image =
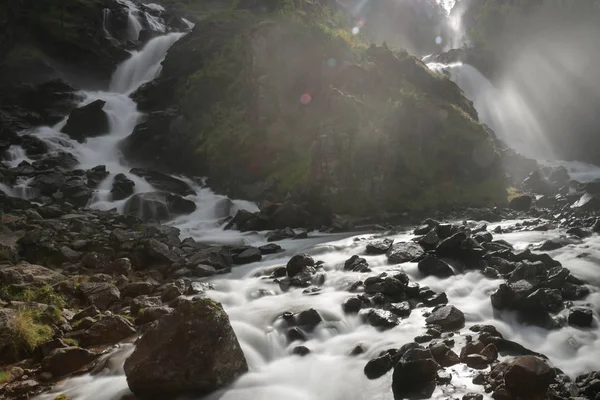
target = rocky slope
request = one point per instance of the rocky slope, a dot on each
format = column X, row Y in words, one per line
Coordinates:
column 290, row 101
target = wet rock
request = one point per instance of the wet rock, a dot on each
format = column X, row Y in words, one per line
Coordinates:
column 270, row 248
column 356, row 264
column 451, row 246
column 379, row 366
column 476, row 361
column 434, row 266
column 352, row 305
column 122, row 187
column 528, row 377
column 248, row 256
column 192, row 351
column 295, row 333
column 508, row 296
column 403, row 252
column 164, row 182
column 582, row 317
column 308, row 319
column 151, row 314
column 143, row 302
column 443, row 377
column 382, row 319
column 198, row 288
column 521, row 202
column 109, row 329
column 579, row 232
column 447, row 317
column 87, row 121
column 444, row 355
column 472, row 396
column 101, row 295
column 299, row 263
column 217, row 257
column 401, row 309
column 414, row 375
column 429, row 241
column 67, row 360
column 587, row 202
column 158, row 206
column 301, row 351
column 171, row 291
column 379, row 246
column 280, row 234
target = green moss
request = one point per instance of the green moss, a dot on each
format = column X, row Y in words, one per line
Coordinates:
column 62, row 397
column 5, row 376
column 44, row 294
column 26, row 334
column 71, row 342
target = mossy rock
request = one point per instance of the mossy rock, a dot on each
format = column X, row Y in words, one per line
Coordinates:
column 289, row 96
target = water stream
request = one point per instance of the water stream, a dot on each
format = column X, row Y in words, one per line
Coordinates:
column 253, row 304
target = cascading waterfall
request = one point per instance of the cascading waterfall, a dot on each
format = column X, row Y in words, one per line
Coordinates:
column 105, row 19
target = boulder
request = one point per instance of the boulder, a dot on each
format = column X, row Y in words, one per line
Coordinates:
column 447, row 317
column 587, row 202
column 67, row 360
column 270, row 248
column 151, row 314
column 87, row 121
column 122, row 187
column 96, row 175
column 414, row 375
column 159, row 206
column 248, row 256
column 436, row 267
column 521, row 202
column 299, row 263
column 29, row 273
column 581, row 317
column 379, row 366
column 529, row 377
column 356, row 264
column 100, row 294
column 163, row 182
column 192, row 351
column 403, row 252
column 379, row 246
column 382, row 319
column 109, row 329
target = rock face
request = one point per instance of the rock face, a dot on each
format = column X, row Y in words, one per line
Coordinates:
column 529, row 377
column 67, row 360
column 87, row 121
column 192, row 351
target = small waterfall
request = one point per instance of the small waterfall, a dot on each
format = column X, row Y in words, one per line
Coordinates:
column 143, row 66
column 133, row 27
column 155, row 23
column 105, row 20
column 15, row 155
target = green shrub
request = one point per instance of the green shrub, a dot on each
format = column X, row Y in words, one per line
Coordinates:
column 5, row 376
column 26, row 333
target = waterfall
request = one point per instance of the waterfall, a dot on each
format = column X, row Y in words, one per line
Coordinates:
column 15, row 155
column 105, row 19
column 143, row 66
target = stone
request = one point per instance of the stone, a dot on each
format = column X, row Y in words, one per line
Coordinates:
column 472, row 396
column 135, row 289
column 109, row 329
column 581, row 317
column 382, row 319
column 87, row 121
column 403, row 252
column 122, row 187
column 29, row 273
column 447, row 317
column 171, row 291
column 301, row 351
column 89, row 312
column 379, row 246
column 164, row 182
column 299, row 264
column 521, row 202
column 158, row 206
column 67, row 360
column 444, row 355
column 436, row 267
column 308, row 319
column 190, row 352
column 270, row 248
column 414, row 375
column 356, row 264
column 528, row 377
column 8, row 253
column 248, row 256
column 161, row 252
column 588, row 202
column 379, row 366
column 151, row 314
column 401, row 309
column 101, row 294
column 352, row 305
column 143, row 302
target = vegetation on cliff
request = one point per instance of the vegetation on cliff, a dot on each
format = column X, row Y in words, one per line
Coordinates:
column 291, row 98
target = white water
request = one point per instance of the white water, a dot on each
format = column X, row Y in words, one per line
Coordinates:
column 105, row 18
column 15, row 155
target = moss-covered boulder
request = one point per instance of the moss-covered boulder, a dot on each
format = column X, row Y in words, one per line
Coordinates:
column 290, row 97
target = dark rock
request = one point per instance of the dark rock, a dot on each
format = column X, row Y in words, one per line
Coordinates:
column 414, row 375
column 308, row 319
column 451, row 246
column 248, row 256
column 382, row 319
column 472, row 396
column 122, row 187
column 352, row 305
column 271, row 248
column 301, row 351
column 171, row 291
column 521, row 202
column 295, row 333
column 528, row 377
column 476, row 361
column 587, row 202
column 379, row 366
column 299, row 264
column 158, row 206
column 356, row 264
column 447, row 317
column 403, row 252
column 143, row 302
column 102, row 295
column 379, row 246
column 443, row 377
column 401, row 309
column 67, row 360
column 87, row 121
column 91, row 312
column 582, row 317
column 109, row 329
column 163, row 182
column 436, row 267
column 151, row 314
column 192, row 351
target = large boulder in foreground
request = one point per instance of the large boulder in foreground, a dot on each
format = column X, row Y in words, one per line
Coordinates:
column 192, row 351
column 87, row 121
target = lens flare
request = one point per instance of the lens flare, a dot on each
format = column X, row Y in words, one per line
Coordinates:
column 305, row 99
